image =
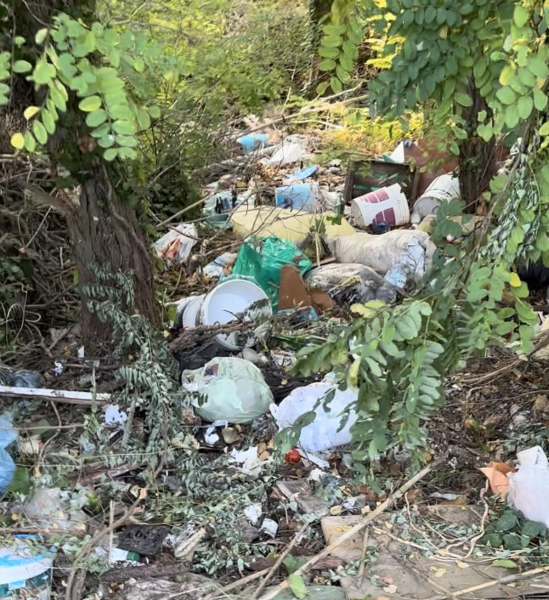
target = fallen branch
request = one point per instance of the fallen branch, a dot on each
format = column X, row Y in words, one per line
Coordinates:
column 192, row 336
column 233, row 163
column 122, row 575
column 503, row 580
column 279, row 561
column 222, row 592
column 65, row 396
column 357, row 528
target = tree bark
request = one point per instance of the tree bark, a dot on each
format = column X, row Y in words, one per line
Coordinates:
column 477, row 162
column 105, row 232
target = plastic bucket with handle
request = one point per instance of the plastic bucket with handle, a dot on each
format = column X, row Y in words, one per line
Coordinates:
column 445, row 187
column 230, row 300
column 387, row 204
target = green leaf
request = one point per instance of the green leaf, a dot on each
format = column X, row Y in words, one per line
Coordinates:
column 18, row 141
column 48, row 121
column 320, row 88
column 537, row 67
column 506, row 95
column 327, row 65
column 102, row 131
column 21, row 481
column 30, row 142
column 507, row 521
column 124, row 127
column 43, row 72
column 125, row 152
column 120, row 111
column 110, row 154
column 30, row 111
column 505, row 563
column 326, row 52
column 139, row 65
column 40, row 132
column 90, row 104
column 40, row 36
column 525, row 106
column 336, row 84
column 540, row 99
column 297, row 585
column 126, row 140
column 544, row 129
column 96, row 118
column 154, row 111
column 21, row 66
column 534, row 530
column 106, row 141
column 143, row 118
column 520, row 16
column 463, row 99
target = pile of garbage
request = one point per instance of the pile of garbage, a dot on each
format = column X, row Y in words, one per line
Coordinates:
column 257, row 499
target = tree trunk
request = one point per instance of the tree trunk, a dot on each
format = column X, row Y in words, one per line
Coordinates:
column 105, row 232
column 477, row 163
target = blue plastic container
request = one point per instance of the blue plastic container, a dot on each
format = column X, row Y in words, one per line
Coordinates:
column 253, row 141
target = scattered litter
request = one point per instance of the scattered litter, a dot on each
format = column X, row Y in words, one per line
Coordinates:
column 253, row 141
column 249, row 461
column 210, row 437
column 269, row 527
column 8, row 435
column 253, row 512
column 301, row 174
column 324, row 433
column 300, row 492
column 145, row 539
column 228, row 389
column 263, row 260
column 25, row 569
column 221, row 265
column 386, row 205
column 443, row 189
column 529, row 487
column 292, row 149
column 411, row 250
column 20, row 377
column 307, row 197
column 175, row 247
column 114, row 416
column 50, row 508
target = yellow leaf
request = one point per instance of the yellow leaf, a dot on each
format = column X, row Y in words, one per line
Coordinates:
column 514, row 280
column 461, row 564
column 390, row 589
column 18, row 141
column 438, row 572
column 507, row 74
column 30, row 111
column 336, row 510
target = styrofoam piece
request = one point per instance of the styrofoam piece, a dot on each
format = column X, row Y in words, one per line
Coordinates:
column 387, row 204
column 228, row 299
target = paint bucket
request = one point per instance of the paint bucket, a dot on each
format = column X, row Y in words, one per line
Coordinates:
column 445, row 188
column 24, row 572
column 227, row 300
column 187, row 313
column 387, row 204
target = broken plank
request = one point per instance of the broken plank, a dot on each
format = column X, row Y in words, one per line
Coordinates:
column 66, row 396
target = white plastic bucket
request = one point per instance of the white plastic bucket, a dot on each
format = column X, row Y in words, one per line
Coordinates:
column 387, row 204
column 228, row 299
column 188, row 315
column 445, row 187
column 23, row 572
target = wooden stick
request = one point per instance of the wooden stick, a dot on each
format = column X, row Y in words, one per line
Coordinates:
column 503, row 580
column 277, row 564
column 66, row 396
column 357, row 528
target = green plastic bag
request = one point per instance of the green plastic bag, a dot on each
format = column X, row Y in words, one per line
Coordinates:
column 263, row 259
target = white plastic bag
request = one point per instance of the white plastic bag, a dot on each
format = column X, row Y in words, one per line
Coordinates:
column 230, row 389
column 322, row 433
column 411, row 250
column 529, row 487
column 175, row 247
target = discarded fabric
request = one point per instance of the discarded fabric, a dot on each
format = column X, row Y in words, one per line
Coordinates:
column 228, row 389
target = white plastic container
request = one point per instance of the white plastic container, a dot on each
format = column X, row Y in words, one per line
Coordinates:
column 189, row 313
column 23, row 572
column 387, row 204
column 228, row 299
column 445, row 187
